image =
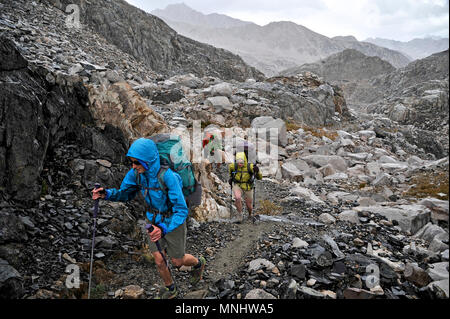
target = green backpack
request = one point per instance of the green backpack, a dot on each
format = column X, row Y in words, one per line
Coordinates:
column 172, row 155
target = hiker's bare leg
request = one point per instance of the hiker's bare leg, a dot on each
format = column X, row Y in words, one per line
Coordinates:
column 238, row 200
column 162, row 268
column 248, row 203
column 187, row 260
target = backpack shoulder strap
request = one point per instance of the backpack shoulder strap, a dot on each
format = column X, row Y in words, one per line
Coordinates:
column 250, row 168
column 160, row 176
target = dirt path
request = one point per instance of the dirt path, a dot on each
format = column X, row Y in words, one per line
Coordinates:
column 228, row 260
column 231, row 257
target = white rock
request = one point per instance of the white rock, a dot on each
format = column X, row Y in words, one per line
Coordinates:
column 438, row 271
column 306, row 193
column 298, row 243
column 219, row 103
column 259, row 263
column 259, row 293
column 337, row 162
column 411, row 218
column 327, row 219
column 222, row 89
column 349, row 216
column 386, row 159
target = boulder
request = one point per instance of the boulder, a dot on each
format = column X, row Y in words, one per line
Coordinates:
column 382, row 179
column 307, row 194
column 416, row 275
column 337, row 162
column 11, row 285
column 327, row 170
column 411, row 218
column 440, row 287
column 294, row 169
column 219, row 104
column 327, row 218
column 222, row 89
column 349, row 216
column 298, row 243
column 439, row 243
column 12, row 228
column 438, row 271
column 439, row 208
column 268, row 122
column 260, row 263
column 429, row 231
column 188, row 80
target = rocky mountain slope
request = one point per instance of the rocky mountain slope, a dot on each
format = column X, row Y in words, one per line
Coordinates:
column 416, row 48
column 278, row 45
column 348, row 193
column 348, row 65
column 150, row 40
column 416, row 96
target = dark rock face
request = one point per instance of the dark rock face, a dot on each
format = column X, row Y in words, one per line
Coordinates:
column 10, row 57
column 10, row 281
column 149, row 39
column 34, row 115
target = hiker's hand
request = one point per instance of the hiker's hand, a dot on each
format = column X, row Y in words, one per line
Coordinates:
column 256, row 169
column 98, row 193
column 155, row 235
column 230, row 181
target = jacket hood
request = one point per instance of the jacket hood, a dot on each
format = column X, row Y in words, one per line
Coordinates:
column 241, row 156
column 146, row 151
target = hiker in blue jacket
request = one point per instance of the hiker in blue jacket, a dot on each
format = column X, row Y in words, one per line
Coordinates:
column 169, row 222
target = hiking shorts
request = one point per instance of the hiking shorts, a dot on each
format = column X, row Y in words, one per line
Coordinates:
column 174, row 242
column 246, row 195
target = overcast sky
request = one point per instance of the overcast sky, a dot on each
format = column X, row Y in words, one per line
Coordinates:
column 400, row 20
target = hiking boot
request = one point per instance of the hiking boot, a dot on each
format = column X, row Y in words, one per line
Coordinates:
column 238, row 219
column 165, row 293
column 196, row 274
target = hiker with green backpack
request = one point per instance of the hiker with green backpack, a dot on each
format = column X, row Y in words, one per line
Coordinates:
column 160, row 180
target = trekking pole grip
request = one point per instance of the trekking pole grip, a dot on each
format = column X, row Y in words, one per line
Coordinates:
column 150, row 228
column 96, row 186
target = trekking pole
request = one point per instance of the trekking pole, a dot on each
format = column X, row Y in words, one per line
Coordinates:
column 97, row 185
column 231, row 202
column 150, row 228
column 254, row 201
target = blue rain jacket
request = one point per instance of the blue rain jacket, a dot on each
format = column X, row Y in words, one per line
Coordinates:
column 145, row 150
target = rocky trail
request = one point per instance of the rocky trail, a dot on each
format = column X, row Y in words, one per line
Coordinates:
column 356, row 206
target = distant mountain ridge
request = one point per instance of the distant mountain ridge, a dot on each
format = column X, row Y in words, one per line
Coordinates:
column 348, row 65
column 271, row 48
column 416, row 48
column 182, row 13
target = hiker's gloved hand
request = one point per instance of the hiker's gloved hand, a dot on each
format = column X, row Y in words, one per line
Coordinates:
column 98, row 193
column 256, row 169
